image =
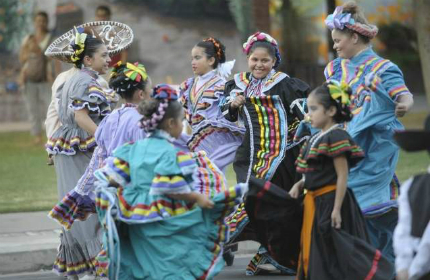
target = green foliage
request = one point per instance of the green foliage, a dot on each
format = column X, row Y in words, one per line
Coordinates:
column 401, row 44
column 241, row 11
column 15, row 23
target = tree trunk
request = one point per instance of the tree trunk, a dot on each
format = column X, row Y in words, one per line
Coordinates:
column 422, row 26
column 331, row 6
column 261, row 15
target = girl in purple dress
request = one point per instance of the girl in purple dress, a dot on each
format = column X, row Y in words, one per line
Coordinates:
column 200, row 95
column 133, row 84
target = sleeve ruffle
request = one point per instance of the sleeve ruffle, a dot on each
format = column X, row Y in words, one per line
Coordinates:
column 117, row 170
column 95, row 99
column 173, row 173
column 336, row 143
column 116, row 167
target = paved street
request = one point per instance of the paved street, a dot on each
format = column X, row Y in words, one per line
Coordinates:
column 235, row 272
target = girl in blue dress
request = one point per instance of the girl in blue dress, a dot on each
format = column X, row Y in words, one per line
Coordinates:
column 158, row 224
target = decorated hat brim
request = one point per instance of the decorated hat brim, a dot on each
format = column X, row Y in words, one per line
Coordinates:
column 413, row 140
column 115, row 35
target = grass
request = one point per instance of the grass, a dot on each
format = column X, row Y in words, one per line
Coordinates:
column 28, row 184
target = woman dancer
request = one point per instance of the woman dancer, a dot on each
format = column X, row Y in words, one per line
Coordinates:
column 132, row 83
column 372, row 180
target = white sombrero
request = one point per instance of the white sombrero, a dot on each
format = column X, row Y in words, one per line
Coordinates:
column 115, row 35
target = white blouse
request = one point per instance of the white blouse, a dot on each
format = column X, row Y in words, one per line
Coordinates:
column 412, row 253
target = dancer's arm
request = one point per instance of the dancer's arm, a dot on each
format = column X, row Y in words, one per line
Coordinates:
column 200, row 199
column 297, row 189
column 84, row 121
column 341, row 167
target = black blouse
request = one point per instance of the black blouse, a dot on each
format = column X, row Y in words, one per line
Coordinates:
column 316, row 158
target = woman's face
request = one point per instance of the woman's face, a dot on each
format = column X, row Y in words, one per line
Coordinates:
column 99, row 61
column 345, row 44
column 41, row 23
column 260, row 63
column 200, row 62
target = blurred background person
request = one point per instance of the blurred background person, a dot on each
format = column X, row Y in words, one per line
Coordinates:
column 36, row 73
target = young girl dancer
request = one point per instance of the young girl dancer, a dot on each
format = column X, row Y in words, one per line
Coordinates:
column 334, row 240
column 82, row 105
column 132, row 83
column 200, row 96
column 156, row 225
column 270, row 104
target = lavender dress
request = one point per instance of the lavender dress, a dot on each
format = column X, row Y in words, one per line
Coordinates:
column 120, row 127
column 211, row 132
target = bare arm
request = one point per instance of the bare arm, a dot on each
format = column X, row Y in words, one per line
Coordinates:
column 201, row 200
column 341, row 167
column 84, row 121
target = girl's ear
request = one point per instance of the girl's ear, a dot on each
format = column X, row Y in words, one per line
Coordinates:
column 211, row 61
column 87, row 61
column 170, row 122
column 332, row 111
column 355, row 38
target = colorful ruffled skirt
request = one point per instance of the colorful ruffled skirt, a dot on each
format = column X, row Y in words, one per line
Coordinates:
column 140, row 244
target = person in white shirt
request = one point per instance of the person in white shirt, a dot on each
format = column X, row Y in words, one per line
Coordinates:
column 412, row 234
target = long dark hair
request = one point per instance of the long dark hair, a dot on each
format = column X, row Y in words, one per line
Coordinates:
column 343, row 113
column 92, row 44
column 213, row 48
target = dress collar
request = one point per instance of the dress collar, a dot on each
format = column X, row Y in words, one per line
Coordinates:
column 159, row 133
column 90, row 72
column 363, row 55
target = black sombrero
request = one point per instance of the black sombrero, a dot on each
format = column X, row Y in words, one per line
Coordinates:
column 414, row 139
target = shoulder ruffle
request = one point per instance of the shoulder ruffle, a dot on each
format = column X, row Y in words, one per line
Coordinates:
column 337, row 142
column 95, row 99
column 331, row 68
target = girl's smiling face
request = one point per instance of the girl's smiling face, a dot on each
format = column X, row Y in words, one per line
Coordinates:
column 99, row 61
column 260, row 63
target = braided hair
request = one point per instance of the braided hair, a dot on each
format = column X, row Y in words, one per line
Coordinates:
column 162, row 106
column 213, row 48
column 332, row 93
column 126, row 78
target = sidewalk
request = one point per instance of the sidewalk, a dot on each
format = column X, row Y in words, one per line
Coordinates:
column 29, row 242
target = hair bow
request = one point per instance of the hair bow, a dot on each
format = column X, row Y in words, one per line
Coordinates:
column 339, row 92
column 262, row 37
column 79, row 44
column 164, row 91
column 338, row 19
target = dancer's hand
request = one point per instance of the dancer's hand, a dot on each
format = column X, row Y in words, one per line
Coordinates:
column 402, row 275
column 401, row 109
column 336, row 219
column 296, row 190
column 204, row 202
column 237, row 102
